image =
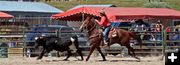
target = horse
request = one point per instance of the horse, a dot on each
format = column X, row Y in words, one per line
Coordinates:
column 52, row 42
column 121, row 37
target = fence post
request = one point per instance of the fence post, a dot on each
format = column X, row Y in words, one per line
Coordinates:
column 24, row 42
column 57, row 32
column 164, row 41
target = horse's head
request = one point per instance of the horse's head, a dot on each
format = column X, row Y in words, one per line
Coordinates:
column 86, row 24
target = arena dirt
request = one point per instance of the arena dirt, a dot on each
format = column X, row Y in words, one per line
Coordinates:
column 94, row 60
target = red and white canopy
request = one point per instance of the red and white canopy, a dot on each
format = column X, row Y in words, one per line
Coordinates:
column 118, row 13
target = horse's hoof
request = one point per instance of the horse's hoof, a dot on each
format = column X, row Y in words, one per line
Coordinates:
column 86, row 59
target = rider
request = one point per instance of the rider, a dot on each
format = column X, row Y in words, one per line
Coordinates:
column 104, row 22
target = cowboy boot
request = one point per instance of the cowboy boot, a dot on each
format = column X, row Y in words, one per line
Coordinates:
column 106, row 45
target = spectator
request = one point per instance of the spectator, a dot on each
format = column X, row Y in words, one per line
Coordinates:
column 158, row 26
column 168, row 36
column 141, row 27
column 158, row 29
column 168, row 31
column 176, row 37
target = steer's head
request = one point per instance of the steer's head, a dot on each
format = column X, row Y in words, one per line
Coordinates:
column 39, row 41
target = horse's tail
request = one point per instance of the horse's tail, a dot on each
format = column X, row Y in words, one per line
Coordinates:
column 137, row 38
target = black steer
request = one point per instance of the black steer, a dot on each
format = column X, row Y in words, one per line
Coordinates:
column 50, row 43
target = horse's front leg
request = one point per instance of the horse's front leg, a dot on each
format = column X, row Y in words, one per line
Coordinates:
column 91, row 51
column 42, row 53
column 103, row 56
column 69, row 54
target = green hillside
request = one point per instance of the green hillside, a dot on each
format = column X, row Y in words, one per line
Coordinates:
column 175, row 4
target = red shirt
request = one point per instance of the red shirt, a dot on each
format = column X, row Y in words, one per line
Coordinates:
column 168, row 29
column 104, row 22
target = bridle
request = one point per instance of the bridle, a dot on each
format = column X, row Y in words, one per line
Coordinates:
column 91, row 29
column 86, row 26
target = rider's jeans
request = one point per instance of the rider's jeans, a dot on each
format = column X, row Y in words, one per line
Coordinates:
column 106, row 32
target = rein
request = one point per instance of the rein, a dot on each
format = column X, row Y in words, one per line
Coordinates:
column 92, row 28
column 93, row 36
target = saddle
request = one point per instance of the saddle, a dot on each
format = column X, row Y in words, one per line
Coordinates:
column 112, row 32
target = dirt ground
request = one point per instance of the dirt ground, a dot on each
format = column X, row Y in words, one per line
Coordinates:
column 94, row 60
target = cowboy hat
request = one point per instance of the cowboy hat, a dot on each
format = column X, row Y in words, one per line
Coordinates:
column 102, row 11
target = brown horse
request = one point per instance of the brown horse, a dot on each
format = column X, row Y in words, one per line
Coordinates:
column 121, row 37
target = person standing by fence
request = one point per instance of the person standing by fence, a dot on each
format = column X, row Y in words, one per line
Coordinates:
column 141, row 27
column 176, row 37
column 158, row 26
column 158, row 29
column 168, row 30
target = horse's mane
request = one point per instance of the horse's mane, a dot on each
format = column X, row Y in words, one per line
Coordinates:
column 92, row 20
